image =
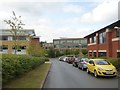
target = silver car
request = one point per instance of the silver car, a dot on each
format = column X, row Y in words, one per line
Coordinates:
column 82, row 64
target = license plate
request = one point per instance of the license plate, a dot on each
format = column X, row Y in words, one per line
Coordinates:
column 109, row 72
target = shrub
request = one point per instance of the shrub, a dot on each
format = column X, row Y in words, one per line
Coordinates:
column 115, row 62
column 16, row 65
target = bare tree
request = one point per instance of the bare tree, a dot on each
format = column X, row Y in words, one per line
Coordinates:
column 16, row 25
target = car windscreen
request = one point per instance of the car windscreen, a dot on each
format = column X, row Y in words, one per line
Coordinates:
column 102, row 62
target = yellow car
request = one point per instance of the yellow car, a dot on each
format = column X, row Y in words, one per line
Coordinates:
column 101, row 67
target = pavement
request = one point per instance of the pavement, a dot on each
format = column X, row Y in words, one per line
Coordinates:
column 64, row 75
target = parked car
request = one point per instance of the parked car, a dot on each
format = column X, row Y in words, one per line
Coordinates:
column 70, row 59
column 75, row 63
column 82, row 64
column 65, row 59
column 101, row 67
column 61, row 58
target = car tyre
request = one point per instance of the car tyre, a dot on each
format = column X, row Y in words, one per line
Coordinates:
column 95, row 74
column 82, row 68
column 88, row 71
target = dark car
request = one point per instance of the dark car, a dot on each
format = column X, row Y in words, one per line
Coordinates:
column 70, row 59
column 82, row 64
column 75, row 63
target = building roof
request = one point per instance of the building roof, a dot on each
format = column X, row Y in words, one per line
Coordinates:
column 22, row 32
column 69, row 39
column 115, row 24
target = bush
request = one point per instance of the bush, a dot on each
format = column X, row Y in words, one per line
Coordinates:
column 16, row 65
column 47, row 59
column 115, row 62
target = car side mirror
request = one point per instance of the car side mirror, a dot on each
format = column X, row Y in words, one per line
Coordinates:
column 93, row 64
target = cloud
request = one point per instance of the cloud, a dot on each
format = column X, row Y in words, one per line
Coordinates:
column 104, row 12
column 70, row 8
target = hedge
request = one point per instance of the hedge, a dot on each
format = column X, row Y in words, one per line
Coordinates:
column 115, row 62
column 16, row 65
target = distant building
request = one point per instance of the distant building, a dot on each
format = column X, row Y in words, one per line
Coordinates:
column 105, row 42
column 7, row 41
column 69, row 43
column 47, row 46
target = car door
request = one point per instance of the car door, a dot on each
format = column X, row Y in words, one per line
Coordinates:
column 91, row 66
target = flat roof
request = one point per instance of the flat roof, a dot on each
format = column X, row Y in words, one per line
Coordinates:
column 23, row 32
column 115, row 24
column 70, row 39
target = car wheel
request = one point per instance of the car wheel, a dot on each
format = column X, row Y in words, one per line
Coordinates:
column 88, row 71
column 95, row 74
column 82, row 68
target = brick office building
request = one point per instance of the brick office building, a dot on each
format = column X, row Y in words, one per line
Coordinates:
column 69, row 43
column 7, row 42
column 105, row 42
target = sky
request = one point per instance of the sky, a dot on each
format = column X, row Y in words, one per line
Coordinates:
column 54, row 19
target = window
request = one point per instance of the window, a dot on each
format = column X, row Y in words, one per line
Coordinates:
column 118, row 33
column 62, row 41
column 56, row 42
column 83, row 41
column 94, row 39
column 70, row 46
column 56, row 46
column 69, row 41
column 22, row 38
column 76, row 46
column 90, row 54
column 4, row 37
column 118, row 54
column 62, row 46
column 76, row 41
column 102, row 38
column 90, row 40
column 94, row 54
column 102, row 54
column 84, row 46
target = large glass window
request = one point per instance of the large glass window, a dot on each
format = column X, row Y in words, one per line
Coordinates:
column 22, row 38
column 56, row 42
column 118, row 54
column 76, row 41
column 62, row 41
column 102, row 38
column 118, row 33
column 94, row 39
column 83, row 41
column 69, row 41
column 90, row 40
column 70, row 46
column 102, row 54
column 4, row 37
column 62, row 46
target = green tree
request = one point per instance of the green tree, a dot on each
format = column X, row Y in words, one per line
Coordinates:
column 51, row 52
column 35, row 50
column 84, row 51
column 15, row 24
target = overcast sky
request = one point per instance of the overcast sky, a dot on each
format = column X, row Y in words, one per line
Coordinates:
column 52, row 19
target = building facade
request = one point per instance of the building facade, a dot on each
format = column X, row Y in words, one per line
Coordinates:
column 105, row 42
column 69, row 43
column 7, row 41
column 47, row 46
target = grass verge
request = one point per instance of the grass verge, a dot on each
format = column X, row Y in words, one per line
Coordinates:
column 32, row 79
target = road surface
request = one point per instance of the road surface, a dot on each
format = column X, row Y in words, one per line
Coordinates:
column 64, row 75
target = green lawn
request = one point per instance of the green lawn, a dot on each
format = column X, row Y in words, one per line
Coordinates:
column 32, row 79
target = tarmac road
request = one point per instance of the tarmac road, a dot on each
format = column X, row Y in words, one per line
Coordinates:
column 64, row 75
